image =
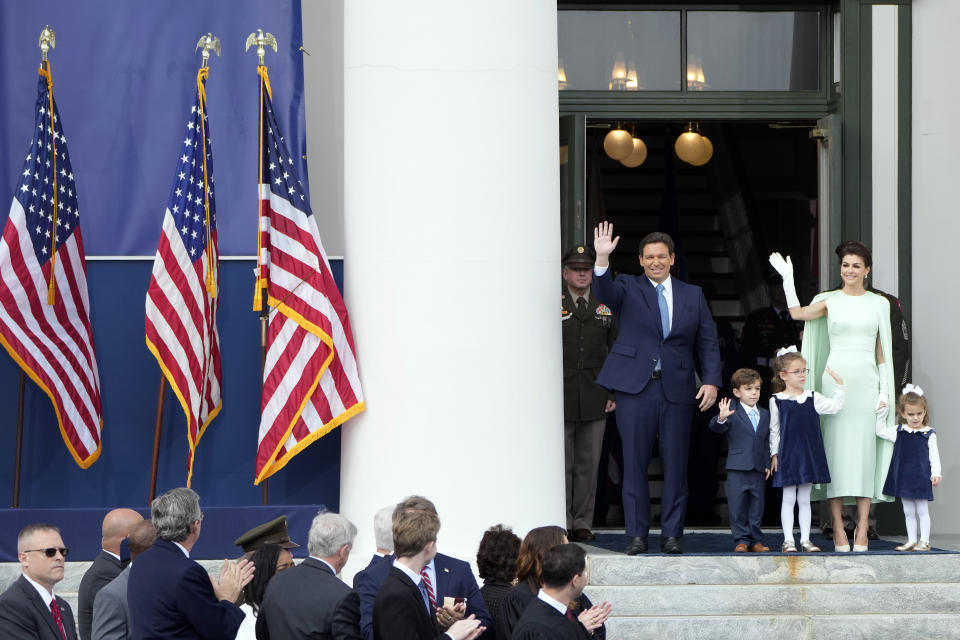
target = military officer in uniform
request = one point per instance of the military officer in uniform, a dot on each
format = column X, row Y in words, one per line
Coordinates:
column 588, row 332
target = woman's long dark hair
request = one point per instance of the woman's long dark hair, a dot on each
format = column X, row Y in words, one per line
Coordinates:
column 530, row 560
column 264, row 562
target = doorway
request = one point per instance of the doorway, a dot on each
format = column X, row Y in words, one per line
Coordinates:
column 760, row 192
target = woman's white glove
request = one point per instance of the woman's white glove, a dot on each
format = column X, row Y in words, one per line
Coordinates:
column 884, row 396
column 785, row 269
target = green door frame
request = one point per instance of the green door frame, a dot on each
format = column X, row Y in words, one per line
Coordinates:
column 850, row 100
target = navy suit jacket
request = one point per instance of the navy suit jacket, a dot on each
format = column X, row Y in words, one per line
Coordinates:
column 24, row 615
column 454, row 579
column 171, row 598
column 640, row 342
column 746, row 450
column 399, row 612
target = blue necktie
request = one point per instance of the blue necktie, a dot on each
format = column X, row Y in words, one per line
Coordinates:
column 754, row 418
column 426, row 596
column 664, row 311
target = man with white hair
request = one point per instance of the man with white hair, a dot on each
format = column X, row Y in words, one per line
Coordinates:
column 310, row 601
column 29, row 608
column 383, row 538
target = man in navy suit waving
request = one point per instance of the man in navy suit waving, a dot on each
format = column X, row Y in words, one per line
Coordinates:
column 665, row 328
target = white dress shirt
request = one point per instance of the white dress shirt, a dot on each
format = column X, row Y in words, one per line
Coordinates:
column 556, row 604
column 42, row 590
column 821, row 404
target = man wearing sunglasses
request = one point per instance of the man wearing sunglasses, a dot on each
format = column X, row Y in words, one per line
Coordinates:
column 29, row 608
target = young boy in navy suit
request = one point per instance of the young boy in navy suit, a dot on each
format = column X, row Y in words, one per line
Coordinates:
column 748, row 458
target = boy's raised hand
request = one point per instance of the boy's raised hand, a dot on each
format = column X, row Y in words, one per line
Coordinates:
column 725, row 412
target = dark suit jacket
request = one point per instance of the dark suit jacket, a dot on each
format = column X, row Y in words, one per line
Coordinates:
column 308, row 601
column 640, row 342
column 373, row 560
column 111, row 616
column 540, row 621
column 515, row 604
column 399, row 612
column 746, row 450
column 454, row 579
column 171, row 598
column 104, row 569
column 24, row 615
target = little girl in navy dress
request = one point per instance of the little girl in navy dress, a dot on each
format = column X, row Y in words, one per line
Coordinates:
column 915, row 465
column 798, row 460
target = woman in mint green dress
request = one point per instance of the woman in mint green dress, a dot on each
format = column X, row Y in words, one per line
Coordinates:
column 848, row 329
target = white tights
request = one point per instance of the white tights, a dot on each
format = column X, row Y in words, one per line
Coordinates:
column 915, row 510
column 799, row 495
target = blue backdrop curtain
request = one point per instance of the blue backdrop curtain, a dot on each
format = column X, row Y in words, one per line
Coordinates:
column 124, row 74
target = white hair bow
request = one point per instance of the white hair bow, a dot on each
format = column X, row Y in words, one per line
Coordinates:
column 913, row 388
column 785, row 350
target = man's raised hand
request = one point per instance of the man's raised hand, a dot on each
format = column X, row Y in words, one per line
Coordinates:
column 604, row 243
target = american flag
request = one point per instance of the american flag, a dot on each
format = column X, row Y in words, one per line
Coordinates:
column 310, row 379
column 51, row 342
column 181, row 318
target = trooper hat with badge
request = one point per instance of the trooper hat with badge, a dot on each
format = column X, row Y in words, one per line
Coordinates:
column 579, row 257
column 273, row 532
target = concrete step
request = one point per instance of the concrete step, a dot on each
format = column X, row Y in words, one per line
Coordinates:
column 779, row 599
column 845, row 627
column 809, row 596
column 609, row 569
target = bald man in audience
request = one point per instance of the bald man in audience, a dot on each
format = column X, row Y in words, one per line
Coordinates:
column 106, row 566
column 29, row 608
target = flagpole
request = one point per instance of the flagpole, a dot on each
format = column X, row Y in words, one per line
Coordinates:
column 161, row 395
column 19, row 446
column 265, row 485
column 260, row 297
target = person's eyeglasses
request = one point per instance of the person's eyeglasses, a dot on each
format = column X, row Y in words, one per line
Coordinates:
column 50, row 551
column 797, row 372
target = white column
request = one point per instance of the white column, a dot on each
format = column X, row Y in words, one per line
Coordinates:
column 452, row 245
column 936, row 227
column 884, row 148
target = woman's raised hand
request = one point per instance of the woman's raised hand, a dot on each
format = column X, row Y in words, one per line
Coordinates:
column 785, row 269
column 782, row 266
column 603, row 241
column 833, row 374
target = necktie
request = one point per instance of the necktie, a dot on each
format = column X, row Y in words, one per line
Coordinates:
column 581, row 305
column 426, row 597
column 754, row 418
column 429, row 587
column 55, row 610
column 570, row 616
column 664, row 311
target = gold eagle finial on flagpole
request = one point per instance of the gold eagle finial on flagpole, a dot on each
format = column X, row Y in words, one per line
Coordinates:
column 48, row 40
column 262, row 40
column 209, row 43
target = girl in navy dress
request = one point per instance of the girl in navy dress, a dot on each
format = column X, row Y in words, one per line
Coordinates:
column 915, row 465
column 796, row 445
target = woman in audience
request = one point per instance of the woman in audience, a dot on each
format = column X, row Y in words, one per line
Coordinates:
column 529, row 581
column 497, row 562
column 268, row 560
